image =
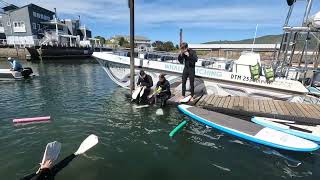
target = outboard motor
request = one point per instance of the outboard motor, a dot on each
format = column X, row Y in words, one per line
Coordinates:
column 26, row 72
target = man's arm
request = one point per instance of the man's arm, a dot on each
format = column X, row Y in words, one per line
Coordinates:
column 150, row 84
column 139, row 81
column 180, row 58
column 62, row 164
column 193, row 56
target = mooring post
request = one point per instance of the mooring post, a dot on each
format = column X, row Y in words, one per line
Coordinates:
column 132, row 72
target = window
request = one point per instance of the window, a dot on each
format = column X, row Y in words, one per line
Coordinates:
column 39, row 26
column 8, row 23
column 19, row 26
column 38, row 15
column 34, row 25
column 34, row 14
column 1, row 28
column 41, row 16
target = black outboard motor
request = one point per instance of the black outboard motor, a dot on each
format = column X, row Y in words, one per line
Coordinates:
column 26, row 72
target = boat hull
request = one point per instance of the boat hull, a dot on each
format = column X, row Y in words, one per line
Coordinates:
column 118, row 69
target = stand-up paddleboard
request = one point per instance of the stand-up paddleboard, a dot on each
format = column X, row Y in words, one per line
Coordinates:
column 249, row 131
column 52, row 152
column 186, row 99
column 311, row 132
column 136, row 93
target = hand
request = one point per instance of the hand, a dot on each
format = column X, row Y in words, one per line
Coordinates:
column 46, row 165
column 187, row 53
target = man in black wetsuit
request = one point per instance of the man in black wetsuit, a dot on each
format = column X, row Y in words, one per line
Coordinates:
column 188, row 57
column 164, row 94
column 47, row 172
column 146, row 81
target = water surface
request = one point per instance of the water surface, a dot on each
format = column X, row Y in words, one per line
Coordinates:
column 134, row 143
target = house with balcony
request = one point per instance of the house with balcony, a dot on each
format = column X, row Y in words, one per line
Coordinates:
column 23, row 25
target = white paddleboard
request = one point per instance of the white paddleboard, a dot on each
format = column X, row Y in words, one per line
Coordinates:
column 249, row 131
column 310, row 132
column 52, row 152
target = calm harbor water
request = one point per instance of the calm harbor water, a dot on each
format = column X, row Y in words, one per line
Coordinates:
column 134, row 143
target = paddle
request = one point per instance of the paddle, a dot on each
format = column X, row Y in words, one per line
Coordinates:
column 142, row 91
column 87, row 144
column 136, row 93
column 52, row 152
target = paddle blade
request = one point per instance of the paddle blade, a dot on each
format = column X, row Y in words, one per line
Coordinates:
column 142, row 91
column 136, row 93
column 87, row 144
column 52, row 152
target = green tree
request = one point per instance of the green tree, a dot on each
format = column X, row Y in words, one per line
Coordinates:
column 102, row 39
column 168, row 46
column 177, row 46
column 123, row 42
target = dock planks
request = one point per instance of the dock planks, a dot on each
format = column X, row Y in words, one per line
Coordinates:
column 246, row 106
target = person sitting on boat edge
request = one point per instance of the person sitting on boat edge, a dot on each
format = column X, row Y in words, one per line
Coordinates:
column 146, row 81
column 15, row 65
column 188, row 57
column 162, row 91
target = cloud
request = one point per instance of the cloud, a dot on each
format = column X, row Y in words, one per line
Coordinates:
column 152, row 13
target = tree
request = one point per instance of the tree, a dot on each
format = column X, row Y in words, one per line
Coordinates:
column 102, row 39
column 177, row 46
column 157, row 44
column 168, row 46
column 123, row 42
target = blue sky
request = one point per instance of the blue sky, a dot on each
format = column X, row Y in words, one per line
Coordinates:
column 201, row 20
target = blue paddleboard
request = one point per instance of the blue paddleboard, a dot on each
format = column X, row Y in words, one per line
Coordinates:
column 310, row 132
column 249, row 131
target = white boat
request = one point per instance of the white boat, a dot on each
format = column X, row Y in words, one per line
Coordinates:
column 234, row 79
column 7, row 74
column 231, row 78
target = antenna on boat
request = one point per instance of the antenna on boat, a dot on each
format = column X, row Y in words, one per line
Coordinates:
column 181, row 39
column 254, row 39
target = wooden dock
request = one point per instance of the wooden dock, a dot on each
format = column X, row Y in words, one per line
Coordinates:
column 246, row 106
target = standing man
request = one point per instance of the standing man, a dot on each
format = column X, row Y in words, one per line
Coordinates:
column 188, row 57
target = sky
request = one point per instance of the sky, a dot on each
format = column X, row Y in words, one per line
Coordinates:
column 201, row 20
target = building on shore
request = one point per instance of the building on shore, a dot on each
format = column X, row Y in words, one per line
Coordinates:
column 32, row 25
column 140, row 42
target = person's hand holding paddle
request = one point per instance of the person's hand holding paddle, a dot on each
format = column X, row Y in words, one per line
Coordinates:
column 47, row 164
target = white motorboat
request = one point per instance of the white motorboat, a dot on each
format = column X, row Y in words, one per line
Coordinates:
column 7, row 74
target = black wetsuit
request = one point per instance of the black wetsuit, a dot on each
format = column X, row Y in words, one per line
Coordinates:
column 189, row 70
column 147, row 82
column 165, row 93
column 49, row 174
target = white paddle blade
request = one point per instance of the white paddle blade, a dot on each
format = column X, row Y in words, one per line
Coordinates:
column 52, row 152
column 87, row 144
column 142, row 91
column 136, row 93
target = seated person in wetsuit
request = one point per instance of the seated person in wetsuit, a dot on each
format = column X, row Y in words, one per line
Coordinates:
column 163, row 92
column 15, row 65
column 47, row 171
column 145, row 80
